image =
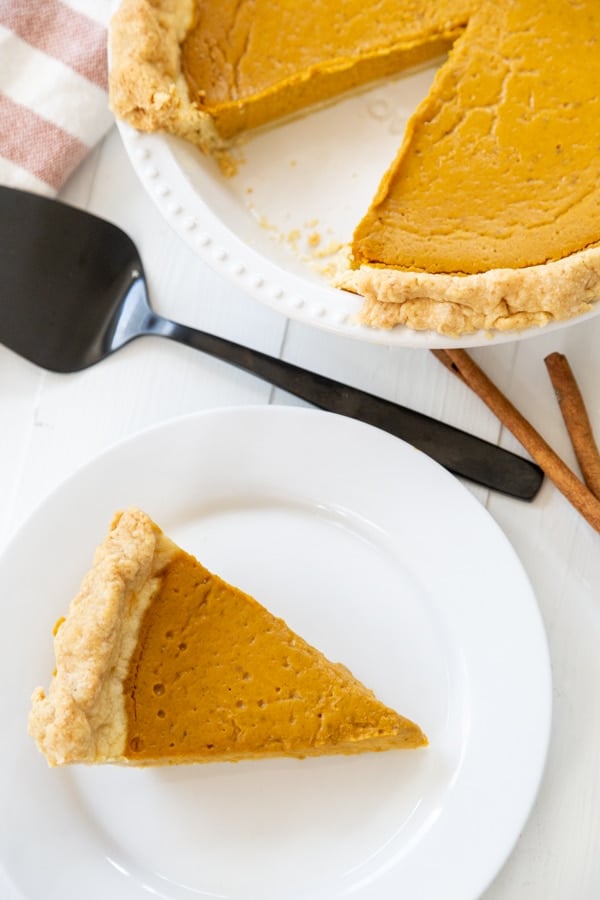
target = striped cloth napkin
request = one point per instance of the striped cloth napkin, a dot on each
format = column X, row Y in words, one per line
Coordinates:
column 53, row 89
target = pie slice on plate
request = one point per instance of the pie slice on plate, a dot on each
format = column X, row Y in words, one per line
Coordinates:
column 158, row 661
column 488, row 217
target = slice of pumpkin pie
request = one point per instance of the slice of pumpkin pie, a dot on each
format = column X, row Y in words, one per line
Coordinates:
column 159, row 661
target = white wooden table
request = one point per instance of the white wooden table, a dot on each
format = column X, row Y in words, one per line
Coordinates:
column 52, row 424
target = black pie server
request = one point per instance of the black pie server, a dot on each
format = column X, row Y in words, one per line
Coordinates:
column 73, row 290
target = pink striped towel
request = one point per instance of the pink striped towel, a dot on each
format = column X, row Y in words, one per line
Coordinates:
column 53, row 89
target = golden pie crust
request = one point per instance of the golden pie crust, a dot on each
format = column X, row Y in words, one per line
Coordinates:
column 447, row 282
column 159, row 661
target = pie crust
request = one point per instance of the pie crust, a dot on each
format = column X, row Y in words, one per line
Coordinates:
column 497, row 300
column 148, row 90
column 147, row 86
column 82, row 718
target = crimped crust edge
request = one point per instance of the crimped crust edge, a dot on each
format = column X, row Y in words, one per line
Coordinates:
column 497, row 300
column 82, row 717
column 147, row 88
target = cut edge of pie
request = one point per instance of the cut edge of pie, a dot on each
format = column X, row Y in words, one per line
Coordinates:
column 102, row 694
column 149, row 91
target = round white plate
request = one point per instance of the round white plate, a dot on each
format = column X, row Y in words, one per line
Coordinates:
column 375, row 555
column 309, row 179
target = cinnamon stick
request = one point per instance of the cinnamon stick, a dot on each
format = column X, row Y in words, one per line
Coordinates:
column 576, row 419
column 446, row 361
column 557, row 471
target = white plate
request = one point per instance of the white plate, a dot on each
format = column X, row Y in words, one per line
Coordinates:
column 377, row 556
column 313, row 175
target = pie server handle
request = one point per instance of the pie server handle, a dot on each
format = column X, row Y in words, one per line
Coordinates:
column 461, row 453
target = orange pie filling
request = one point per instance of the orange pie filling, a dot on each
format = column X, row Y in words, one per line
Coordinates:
column 233, row 71
column 500, row 166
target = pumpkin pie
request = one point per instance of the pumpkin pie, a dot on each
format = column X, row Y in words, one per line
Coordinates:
column 158, row 661
column 488, row 217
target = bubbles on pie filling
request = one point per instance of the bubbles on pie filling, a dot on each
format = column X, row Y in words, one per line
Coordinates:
column 161, row 713
column 158, row 689
column 136, row 744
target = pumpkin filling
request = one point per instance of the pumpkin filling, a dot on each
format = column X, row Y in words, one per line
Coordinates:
column 500, row 165
column 232, row 72
column 496, row 131
column 215, row 675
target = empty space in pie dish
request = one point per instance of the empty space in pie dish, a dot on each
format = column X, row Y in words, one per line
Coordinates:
column 299, row 187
